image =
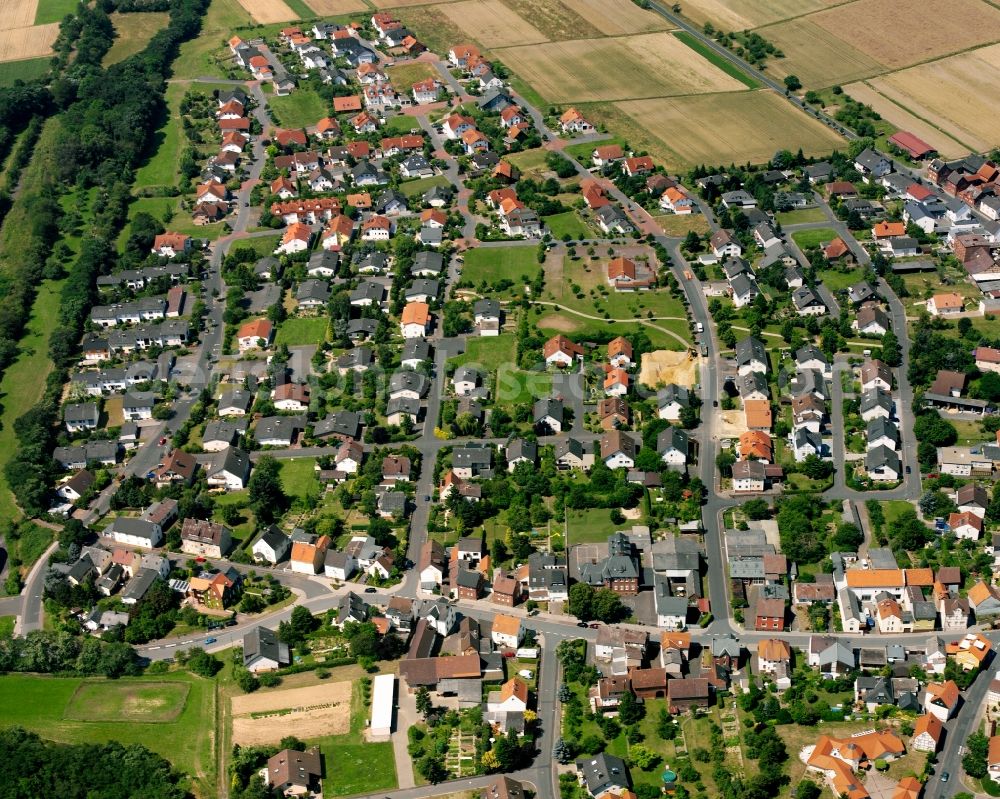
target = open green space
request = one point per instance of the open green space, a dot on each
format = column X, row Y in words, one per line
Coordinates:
column 207, row 55
column 490, row 265
column 568, row 224
column 807, row 239
column 517, row 387
column 300, row 109
column 168, row 210
column 7, row 626
column 489, row 352
column 302, row 330
column 838, row 279
column 531, row 163
column 152, row 702
column 800, row 216
column 679, row 225
column 404, row 75
column 298, row 476
column 411, row 188
column 717, row 59
column 41, row 704
column 892, row 509
column 53, row 10
column 26, row 70
column 32, row 541
column 303, row 10
column 165, row 154
column 582, row 151
column 24, row 380
column 133, row 32
column 589, row 526
column 399, row 124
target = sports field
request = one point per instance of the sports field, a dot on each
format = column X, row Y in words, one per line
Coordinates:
column 492, row 23
column 955, row 94
column 616, row 68
column 738, row 15
column 617, row 17
column 174, row 716
column 741, row 126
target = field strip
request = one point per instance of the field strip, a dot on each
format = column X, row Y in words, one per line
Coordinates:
column 268, row 11
column 34, row 41
column 334, row 8
column 902, row 117
column 18, row 13
column 492, row 23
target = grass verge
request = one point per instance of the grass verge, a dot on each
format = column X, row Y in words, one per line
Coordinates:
column 716, row 59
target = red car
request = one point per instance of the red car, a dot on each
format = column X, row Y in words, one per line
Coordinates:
column 163, row 441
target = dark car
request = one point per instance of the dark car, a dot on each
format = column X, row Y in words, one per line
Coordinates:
column 581, row 624
column 371, row 590
column 945, row 777
column 210, row 640
column 907, row 469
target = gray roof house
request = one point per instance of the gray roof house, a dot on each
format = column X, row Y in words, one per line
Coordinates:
column 262, row 651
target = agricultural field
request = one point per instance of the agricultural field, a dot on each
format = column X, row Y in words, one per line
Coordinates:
column 948, row 144
column 21, row 13
column 267, row 717
column 74, row 710
column 433, row 27
column 11, row 71
column 715, row 129
column 133, row 32
column 617, row 68
column 816, row 56
column 556, row 20
column 953, row 94
column 333, row 8
column 268, row 11
column 492, row 24
column 18, row 44
column 738, row 15
column 617, row 17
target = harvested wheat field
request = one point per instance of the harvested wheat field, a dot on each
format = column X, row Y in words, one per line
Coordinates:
column 737, row 127
column 947, row 146
column 617, row 17
column 957, row 94
column 33, row 42
column 738, row 15
column 556, row 20
column 816, row 56
column 313, row 712
column 18, row 13
column 268, row 11
column 401, row 3
column 616, row 68
column 333, row 8
column 666, row 366
column 899, row 33
column 492, row 24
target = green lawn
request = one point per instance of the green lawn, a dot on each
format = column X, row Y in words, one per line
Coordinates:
column 801, row 216
column 718, row 60
column 133, row 32
column 806, row 239
column 892, row 509
column 298, row 477
column 24, row 381
column 150, row 702
column 589, row 526
column 300, row 109
column 53, row 10
column 568, row 224
column 836, row 279
column 162, row 167
column 582, row 152
column 168, row 208
column 32, row 543
column 22, row 70
column 207, row 55
column 7, row 626
column 516, row 387
column 531, row 163
column 42, row 704
column 353, row 766
column 493, row 264
column 404, row 75
column 488, row 353
column 411, row 188
column 302, row 330
column 400, row 124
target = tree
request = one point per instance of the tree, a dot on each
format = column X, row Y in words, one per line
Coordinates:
column 423, row 699
column 581, row 601
column 607, row 606
column 848, row 537
column 756, row 509
column 630, row 710
column 265, row 491
column 643, row 757
column 975, row 760
column 431, row 768
column 792, row 83
column 807, row 789
column 202, row 663
column 562, row 752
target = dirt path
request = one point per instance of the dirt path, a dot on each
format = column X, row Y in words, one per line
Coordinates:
column 645, row 321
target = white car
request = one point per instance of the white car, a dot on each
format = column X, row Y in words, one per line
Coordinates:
column 526, row 673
